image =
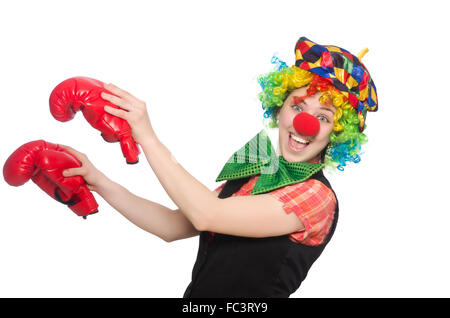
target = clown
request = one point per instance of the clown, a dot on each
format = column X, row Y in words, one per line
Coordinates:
column 345, row 87
column 262, row 229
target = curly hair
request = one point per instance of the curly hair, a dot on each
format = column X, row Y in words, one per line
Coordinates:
column 345, row 139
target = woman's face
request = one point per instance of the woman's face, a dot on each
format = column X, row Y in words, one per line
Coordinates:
column 304, row 148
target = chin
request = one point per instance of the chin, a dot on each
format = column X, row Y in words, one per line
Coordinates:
column 294, row 157
column 306, row 155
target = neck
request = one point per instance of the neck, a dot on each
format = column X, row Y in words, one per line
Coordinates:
column 315, row 160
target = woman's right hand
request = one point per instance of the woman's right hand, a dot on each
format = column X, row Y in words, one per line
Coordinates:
column 88, row 171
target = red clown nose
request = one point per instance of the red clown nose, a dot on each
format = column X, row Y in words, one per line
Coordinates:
column 306, row 124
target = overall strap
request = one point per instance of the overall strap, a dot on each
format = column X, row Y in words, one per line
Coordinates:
column 232, row 186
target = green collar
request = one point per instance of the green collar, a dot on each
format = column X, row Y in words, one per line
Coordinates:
column 258, row 157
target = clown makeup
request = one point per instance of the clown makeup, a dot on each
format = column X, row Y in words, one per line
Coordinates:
column 296, row 146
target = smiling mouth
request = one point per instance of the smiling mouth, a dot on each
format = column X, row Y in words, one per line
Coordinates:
column 296, row 143
column 298, row 139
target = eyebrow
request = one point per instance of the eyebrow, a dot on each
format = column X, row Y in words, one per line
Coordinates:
column 296, row 100
column 326, row 108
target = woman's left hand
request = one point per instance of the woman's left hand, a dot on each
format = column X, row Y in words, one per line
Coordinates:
column 133, row 110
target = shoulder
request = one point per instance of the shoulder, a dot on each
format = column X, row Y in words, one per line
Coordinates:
column 314, row 204
column 311, row 201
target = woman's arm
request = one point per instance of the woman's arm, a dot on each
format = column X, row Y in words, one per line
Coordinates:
column 169, row 225
column 255, row 216
column 252, row 216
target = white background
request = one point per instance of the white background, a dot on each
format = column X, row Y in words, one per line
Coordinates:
column 195, row 63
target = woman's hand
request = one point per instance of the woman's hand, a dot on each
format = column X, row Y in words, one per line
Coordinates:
column 93, row 177
column 133, row 110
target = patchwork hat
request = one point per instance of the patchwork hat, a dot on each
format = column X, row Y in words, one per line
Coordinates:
column 342, row 69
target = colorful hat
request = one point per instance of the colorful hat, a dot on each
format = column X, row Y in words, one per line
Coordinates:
column 344, row 70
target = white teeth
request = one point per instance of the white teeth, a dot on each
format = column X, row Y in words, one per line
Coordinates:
column 299, row 139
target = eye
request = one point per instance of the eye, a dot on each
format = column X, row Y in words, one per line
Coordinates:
column 297, row 108
column 323, row 118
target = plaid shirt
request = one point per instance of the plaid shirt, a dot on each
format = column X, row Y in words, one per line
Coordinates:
column 311, row 201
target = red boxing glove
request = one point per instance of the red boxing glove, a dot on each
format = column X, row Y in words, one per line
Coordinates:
column 83, row 93
column 44, row 163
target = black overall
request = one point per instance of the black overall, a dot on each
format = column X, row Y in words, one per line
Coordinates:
column 234, row 266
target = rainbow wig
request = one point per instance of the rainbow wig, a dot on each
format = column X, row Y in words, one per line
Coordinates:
column 345, row 139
